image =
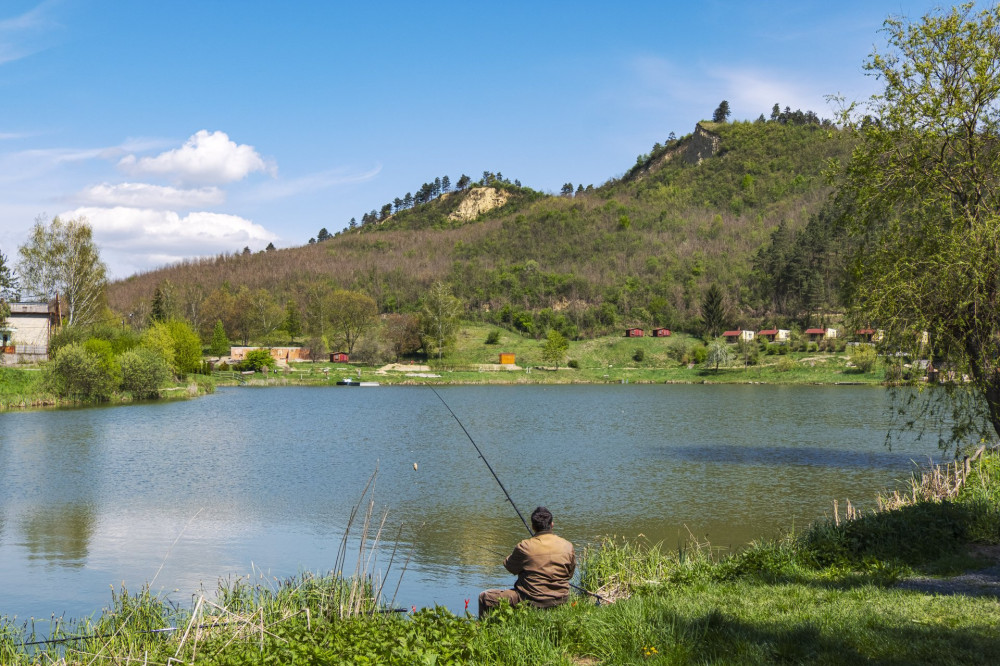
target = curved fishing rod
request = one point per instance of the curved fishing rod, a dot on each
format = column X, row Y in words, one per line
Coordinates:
column 488, row 465
column 500, row 483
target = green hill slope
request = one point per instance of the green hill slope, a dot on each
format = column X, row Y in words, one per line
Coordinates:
column 640, row 249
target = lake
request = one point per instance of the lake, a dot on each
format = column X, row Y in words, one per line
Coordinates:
column 261, row 481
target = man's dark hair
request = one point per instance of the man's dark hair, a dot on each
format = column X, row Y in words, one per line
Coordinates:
column 541, row 519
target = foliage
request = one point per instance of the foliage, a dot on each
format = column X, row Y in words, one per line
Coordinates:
column 921, row 200
column 639, row 355
column 713, row 313
column 719, row 353
column 186, row 346
column 402, row 334
column 77, row 373
column 220, row 341
column 863, row 357
column 157, row 338
column 554, row 350
column 256, row 359
column 317, row 348
column 293, row 320
column 439, row 318
column 721, row 113
column 352, row 314
column 107, row 364
column 493, row 337
column 62, row 259
column 143, row 372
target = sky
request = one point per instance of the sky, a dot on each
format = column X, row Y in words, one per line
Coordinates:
column 192, row 128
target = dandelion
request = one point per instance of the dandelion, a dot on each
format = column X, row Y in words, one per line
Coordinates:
column 649, row 651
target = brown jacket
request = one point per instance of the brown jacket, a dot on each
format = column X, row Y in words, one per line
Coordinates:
column 544, row 565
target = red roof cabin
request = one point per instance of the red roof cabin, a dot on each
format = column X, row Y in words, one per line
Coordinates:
column 339, row 357
column 633, row 333
column 865, row 334
column 661, row 333
column 817, row 334
column 734, row 336
column 775, row 334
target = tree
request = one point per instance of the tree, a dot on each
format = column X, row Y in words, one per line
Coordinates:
column 554, row 349
column 713, row 313
column 463, row 182
column 439, row 317
column 445, row 183
column 317, row 348
column 293, row 320
column 322, row 235
column 719, row 353
column 187, row 346
column 79, row 373
column 352, row 314
column 220, row 343
column 721, row 113
column 920, row 198
column 143, row 373
column 402, row 333
column 567, row 190
column 162, row 306
column 61, row 259
column 8, row 288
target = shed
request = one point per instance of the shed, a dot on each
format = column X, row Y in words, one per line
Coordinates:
column 633, row 333
column 775, row 334
column 506, row 358
column 339, row 357
column 661, row 333
column 865, row 334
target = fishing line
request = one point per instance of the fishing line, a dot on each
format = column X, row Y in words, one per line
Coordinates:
column 500, row 483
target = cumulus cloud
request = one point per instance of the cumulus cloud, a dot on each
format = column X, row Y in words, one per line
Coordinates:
column 206, row 158
column 140, row 238
column 143, row 195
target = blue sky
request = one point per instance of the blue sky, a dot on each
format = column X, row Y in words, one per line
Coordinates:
column 183, row 129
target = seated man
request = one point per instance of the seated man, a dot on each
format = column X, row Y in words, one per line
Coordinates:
column 544, row 565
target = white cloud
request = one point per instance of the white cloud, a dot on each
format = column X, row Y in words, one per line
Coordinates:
column 133, row 239
column 206, row 158
column 143, row 195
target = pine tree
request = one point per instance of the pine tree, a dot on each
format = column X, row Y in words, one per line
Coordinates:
column 713, row 312
column 220, row 343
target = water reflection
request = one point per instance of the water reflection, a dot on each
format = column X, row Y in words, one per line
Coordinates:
column 184, row 493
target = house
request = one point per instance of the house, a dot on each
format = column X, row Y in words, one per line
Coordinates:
column 660, row 333
column 779, row 335
column 633, row 333
column 734, row 336
column 865, row 334
column 282, row 354
column 817, row 334
column 339, row 357
column 29, row 328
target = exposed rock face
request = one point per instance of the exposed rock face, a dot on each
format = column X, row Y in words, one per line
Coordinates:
column 477, row 201
column 703, row 143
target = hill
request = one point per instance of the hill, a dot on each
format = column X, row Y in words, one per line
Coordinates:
column 640, row 249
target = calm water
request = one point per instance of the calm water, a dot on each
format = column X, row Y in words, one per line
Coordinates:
column 263, row 480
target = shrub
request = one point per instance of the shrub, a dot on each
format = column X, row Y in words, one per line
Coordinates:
column 699, row 354
column 256, row 359
column 573, row 363
column 863, row 357
column 639, row 355
column 143, row 373
column 75, row 372
column 186, row 346
column 493, row 337
column 812, row 347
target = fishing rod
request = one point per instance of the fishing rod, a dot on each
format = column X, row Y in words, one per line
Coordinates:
column 500, row 483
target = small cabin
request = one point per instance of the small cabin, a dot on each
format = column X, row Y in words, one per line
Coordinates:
column 661, row 333
column 29, row 327
column 817, row 334
column 506, row 358
column 865, row 334
column 737, row 335
column 779, row 335
column 633, row 333
column 339, row 357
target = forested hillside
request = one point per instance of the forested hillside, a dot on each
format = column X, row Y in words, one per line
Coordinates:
column 734, row 204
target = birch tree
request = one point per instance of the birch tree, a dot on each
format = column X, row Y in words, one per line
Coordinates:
column 61, row 258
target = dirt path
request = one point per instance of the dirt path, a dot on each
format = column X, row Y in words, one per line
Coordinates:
column 979, row 583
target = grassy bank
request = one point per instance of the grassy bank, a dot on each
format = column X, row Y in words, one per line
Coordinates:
column 829, row 595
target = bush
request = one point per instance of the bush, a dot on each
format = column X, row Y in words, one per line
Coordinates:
column 812, row 347
column 77, row 373
column 639, row 355
column 573, row 363
column 256, row 359
column 863, row 357
column 699, row 354
column 493, row 337
column 143, row 373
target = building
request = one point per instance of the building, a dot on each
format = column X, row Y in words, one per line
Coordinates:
column 281, row 354
column 28, row 330
column 660, row 333
column 817, row 334
column 507, row 358
column 779, row 335
column 633, row 333
column 339, row 357
column 734, row 336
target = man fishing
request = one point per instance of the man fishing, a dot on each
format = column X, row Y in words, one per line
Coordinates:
column 544, row 565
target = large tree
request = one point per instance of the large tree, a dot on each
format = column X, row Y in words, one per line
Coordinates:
column 439, row 318
column 713, row 311
column 61, row 258
column 352, row 314
column 921, row 198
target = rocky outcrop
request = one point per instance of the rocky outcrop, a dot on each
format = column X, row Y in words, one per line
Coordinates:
column 703, row 143
column 477, row 201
